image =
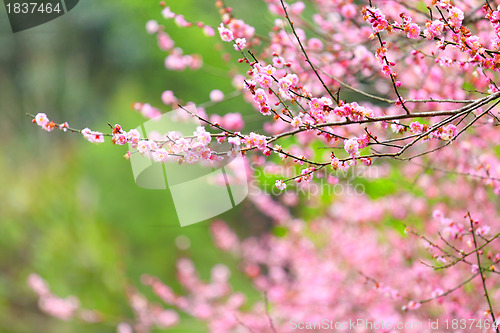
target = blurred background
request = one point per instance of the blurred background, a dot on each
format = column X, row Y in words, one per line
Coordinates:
column 69, row 210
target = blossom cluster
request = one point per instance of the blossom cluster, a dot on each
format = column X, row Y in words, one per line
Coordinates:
column 43, row 121
column 287, row 87
column 62, row 308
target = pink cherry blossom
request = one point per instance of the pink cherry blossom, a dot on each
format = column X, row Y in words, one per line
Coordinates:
column 280, row 185
column 260, row 97
column 413, row 31
column 240, row 44
column 225, row 34
column 216, row 96
column 41, row 119
column 152, row 26
column 351, row 146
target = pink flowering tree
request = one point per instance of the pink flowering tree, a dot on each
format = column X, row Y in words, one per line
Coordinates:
column 350, row 92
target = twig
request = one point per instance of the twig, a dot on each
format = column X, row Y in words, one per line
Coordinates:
column 305, row 54
column 268, row 315
column 483, row 279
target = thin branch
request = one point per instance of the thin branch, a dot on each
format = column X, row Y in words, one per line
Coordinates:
column 268, row 315
column 483, row 279
column 305, row 53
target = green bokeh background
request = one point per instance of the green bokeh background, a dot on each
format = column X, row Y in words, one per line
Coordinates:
column 70, row 210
